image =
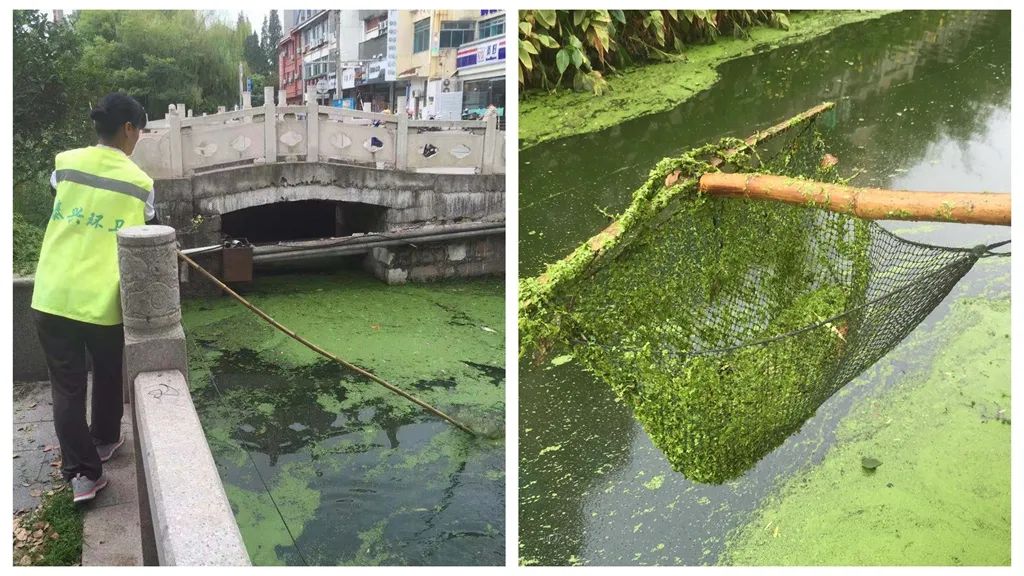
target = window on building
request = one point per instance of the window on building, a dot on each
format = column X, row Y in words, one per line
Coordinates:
column 492, row 27
column 421, row 35
column 456, row 33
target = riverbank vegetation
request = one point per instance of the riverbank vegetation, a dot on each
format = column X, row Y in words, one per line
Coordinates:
column 571, row 87
column 578, row 47
column 61, row 69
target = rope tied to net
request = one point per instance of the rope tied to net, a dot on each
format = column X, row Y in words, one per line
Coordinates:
column 985, row 251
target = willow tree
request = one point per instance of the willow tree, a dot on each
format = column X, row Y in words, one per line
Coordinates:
column 160, row 57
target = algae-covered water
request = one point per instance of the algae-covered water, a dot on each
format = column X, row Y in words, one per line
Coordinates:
column 922, row 103
column 356, row 475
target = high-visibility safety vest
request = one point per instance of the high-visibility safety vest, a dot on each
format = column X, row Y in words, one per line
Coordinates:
column 99, row 191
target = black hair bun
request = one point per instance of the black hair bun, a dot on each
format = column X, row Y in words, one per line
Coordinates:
column 113, row 111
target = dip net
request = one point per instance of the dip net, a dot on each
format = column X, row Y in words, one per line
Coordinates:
column 726, row 322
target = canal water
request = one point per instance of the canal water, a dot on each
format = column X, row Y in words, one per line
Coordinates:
column 323, row 467
column 923, row 102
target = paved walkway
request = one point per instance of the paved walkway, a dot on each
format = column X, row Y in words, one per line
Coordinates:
column 35, row 444
column 111, row 534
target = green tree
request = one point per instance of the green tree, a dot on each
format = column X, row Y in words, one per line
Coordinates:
column 265, row 39
column 48, row 113
column 254, row 56
column 273, row 36
column 160, row 57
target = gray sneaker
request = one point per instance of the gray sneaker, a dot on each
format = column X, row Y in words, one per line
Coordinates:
column 86, row 489
column 106, row 451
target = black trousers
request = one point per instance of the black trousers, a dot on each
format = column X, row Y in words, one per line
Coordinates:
column 65, row 343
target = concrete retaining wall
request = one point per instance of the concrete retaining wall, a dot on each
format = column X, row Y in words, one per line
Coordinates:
column 455, row 259
column 193, row 524
column 29, row 361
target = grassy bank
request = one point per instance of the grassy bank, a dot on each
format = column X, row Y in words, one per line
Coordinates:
column 653, row 88
column 941, row 495
column 50, row 535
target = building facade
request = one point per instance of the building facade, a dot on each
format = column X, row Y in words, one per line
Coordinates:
column 445, row 64
column 289, row 66
column 445, row 56
column 480, row 66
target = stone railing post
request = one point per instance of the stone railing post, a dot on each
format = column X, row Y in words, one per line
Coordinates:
column 150, row 302
column 247, row 104
column 184, row 513
column 491, row 136
column 269, row 126
column 402, row 142
column 282, row 98
column 312, row 129
column 174, row 133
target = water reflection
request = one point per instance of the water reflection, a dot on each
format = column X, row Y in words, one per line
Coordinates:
column 388, row 485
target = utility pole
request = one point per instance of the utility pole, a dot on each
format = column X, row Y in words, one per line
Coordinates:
column 241, row 83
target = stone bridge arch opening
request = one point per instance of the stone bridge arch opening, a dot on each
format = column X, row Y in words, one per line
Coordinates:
column 302, row 220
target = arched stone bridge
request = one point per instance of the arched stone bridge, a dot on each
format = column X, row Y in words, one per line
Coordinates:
column 315, row 172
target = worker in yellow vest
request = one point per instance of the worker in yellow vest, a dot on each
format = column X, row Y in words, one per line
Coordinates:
column 99, row 190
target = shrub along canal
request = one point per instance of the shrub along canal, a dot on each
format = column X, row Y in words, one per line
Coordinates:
column 356, row 475
column 922, row 103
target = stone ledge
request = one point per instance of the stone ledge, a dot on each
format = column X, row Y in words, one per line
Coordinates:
column 112, row 535
column 192, row 519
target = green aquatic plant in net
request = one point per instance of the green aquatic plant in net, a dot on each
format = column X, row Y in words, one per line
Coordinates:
column 725, row 322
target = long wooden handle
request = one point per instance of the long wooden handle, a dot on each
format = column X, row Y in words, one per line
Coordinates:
column 323, row 352
column 868, row 203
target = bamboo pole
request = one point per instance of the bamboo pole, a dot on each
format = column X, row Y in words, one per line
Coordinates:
column 761, row 136
column 323, row 352
column 867, row 203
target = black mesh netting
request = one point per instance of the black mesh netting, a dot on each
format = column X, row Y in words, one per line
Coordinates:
column 725, row 323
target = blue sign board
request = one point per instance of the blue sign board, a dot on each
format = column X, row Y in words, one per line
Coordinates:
column 475, row 54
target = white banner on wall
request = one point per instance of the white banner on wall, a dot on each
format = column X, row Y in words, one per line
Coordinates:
column 348, row 78
column 391, row 71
